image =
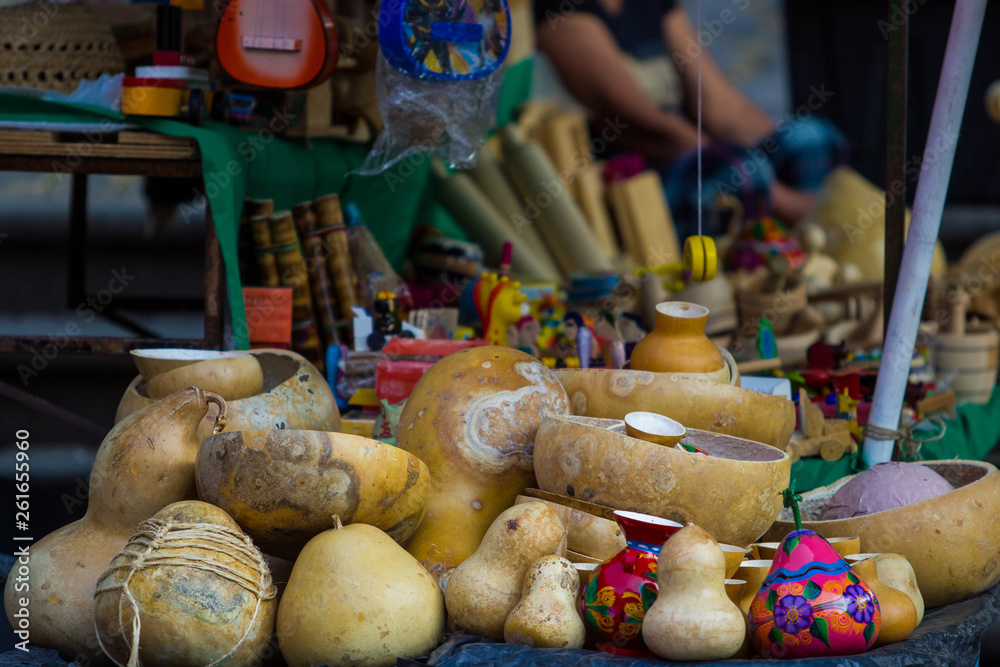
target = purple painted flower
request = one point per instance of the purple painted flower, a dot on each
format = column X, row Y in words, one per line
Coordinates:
column 861, row 605
column 792, row 613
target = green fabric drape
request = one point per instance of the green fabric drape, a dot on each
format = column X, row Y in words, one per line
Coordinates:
column 972, row 435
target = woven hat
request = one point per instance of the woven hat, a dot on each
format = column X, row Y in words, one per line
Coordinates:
column 53, row 46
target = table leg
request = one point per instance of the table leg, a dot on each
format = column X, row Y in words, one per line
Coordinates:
column 76, row 265
column 213, row 286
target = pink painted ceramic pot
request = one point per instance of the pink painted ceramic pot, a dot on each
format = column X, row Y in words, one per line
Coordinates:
column 811, row 604
column 623, row 588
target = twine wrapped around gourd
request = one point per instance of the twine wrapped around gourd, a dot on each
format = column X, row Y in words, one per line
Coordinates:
column 54, row 46
column 186, row 578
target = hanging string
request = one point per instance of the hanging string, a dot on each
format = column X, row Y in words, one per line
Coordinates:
column 697, row 27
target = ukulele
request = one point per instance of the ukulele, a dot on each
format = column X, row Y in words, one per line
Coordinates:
column 445, row 40
column 278, row 43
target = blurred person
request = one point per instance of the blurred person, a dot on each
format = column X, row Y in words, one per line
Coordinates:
column 614, row 57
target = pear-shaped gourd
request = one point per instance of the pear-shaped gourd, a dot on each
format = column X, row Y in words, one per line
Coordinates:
column 811, row 604
column 144, row 463
column 692, row 617
column 896, row 572
column 546, row 616
column 355, row 598
column 899, row 614
column 483, row 590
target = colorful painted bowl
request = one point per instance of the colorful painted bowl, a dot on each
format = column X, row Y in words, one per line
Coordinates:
column 811, row 604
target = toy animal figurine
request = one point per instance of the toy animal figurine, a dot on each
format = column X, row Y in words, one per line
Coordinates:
column 613, row 342
column 581, row 340
column 505, row 308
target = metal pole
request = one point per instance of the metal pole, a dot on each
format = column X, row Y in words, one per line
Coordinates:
column 935, row 173
column 895, row 150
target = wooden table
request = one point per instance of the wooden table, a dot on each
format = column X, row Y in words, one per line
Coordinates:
column 134, row 153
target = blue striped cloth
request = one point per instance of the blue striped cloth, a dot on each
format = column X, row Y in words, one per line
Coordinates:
column 800, row 153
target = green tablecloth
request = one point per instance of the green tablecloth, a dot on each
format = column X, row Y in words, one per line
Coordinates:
column 255, row 164
column 972, row 435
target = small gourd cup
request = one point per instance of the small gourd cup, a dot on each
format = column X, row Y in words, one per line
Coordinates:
column 653, row 427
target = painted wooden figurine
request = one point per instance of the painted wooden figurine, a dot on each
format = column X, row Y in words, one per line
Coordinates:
column 606, row 327
column 581, row 340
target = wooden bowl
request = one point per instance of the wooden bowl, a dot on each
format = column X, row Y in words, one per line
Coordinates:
column 952, row 541
column 654, row 428
column 156, row 361
column 284, row 486
column 695, row 403
column 734, row 493
column 295, row 395
column 753, row 572
column 734, row 558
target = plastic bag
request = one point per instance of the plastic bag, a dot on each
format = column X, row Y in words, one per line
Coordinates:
column 438, row 78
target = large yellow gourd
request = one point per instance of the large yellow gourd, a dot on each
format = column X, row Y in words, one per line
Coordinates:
column 145, row 463
column 692, row 617
column 193, row 587
column 472, row 419
column 355, row 598
column 483, row 590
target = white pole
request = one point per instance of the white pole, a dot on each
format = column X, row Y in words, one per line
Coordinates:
column 914, row 272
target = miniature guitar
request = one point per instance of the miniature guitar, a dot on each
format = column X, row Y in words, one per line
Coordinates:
column 445, row 40
column 278, row 43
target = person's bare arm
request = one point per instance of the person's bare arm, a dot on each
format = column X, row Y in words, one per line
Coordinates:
column 726, row 112
column 596, row 73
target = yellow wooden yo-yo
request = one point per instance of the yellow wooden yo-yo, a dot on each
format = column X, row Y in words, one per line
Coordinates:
column 700, row 258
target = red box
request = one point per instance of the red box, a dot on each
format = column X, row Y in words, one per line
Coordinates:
column 269, row 315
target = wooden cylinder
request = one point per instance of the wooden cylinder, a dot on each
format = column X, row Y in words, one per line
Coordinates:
column 260, row 230
column 292, row 273
column 973, row 356
column 330, row 220
column 320, row 283
column 249, row 268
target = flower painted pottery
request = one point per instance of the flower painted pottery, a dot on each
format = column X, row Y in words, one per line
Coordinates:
column 899, row 614
column 623, row 588
column 732, row 493
column 811, row 604
column 678, row 343
column 694, row 402
column 961, row 526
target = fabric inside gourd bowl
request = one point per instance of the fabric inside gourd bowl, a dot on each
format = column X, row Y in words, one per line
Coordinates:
column 952, row 541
